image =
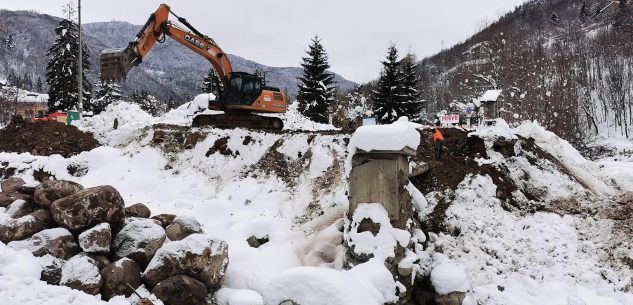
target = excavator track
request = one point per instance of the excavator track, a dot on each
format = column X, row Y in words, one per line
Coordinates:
column 238, row 120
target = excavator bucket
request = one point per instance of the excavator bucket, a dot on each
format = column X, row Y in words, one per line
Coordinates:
column 115, row 63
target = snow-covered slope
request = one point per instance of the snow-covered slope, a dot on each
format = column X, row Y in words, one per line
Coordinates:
column 290, row 187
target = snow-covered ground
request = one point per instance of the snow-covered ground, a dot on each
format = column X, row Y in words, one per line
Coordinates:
column 277, row 185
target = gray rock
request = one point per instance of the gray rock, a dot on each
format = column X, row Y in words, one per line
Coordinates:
column 197, row 256
column 165, row 219
column 57, row 242
column 139, row 240
column 96, row 239
column 81, row 273
column 25, row 226
column 89, row 207
column 51, row 190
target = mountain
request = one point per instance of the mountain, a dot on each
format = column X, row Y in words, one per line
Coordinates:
column 169, row 71
column 564, row 63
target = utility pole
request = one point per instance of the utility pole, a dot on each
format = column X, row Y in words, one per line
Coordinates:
column 80, row 74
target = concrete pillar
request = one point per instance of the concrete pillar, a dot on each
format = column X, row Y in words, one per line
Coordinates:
column 381, row 177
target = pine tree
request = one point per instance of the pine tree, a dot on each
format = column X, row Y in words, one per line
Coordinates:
column 317, row 91
column 410, row 84
column 106, row 94
column 389, row 103
column 262, row 75
column 9, row 43
column 211, row 83
column 147, row 102
column 62, row 69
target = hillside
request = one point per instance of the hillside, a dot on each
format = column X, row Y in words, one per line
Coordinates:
column 170, row 71
column 564, row 63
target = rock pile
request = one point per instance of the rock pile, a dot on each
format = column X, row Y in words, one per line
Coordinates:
column 86, row 239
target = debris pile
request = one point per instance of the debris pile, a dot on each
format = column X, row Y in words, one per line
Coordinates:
column 45, row 139
column 86, row 239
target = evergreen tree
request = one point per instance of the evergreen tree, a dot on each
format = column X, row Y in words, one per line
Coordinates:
column 39, row 87
column 262, row 75
column 388, row 100
column 106, row 94
column 147, row 102
column 62, row 69
column 410, row 84
column 211, row 83
column 584, row 13
column 317, row 91
column 9, row 43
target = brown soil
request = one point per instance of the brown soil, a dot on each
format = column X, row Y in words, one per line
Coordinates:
column 45, row 139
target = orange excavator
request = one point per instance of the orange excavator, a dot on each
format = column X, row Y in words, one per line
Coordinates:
column 242, row 94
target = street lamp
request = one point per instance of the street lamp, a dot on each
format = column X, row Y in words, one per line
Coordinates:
column 80, row 74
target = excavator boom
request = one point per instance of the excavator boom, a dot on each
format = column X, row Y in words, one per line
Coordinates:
column 242, row 94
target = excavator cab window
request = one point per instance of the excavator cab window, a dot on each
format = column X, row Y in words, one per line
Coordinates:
column 244, row 89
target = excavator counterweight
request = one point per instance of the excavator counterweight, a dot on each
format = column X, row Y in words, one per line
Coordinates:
column 242, row 94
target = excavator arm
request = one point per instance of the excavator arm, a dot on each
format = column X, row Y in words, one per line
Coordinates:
column 116, row 63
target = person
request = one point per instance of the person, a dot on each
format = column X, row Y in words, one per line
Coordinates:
column 438, row 140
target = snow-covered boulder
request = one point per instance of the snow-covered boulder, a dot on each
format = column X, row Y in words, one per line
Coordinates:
column 57, row 242
column 81, row 273
column 96, row 239
column 7, row 199
column 89, row 207
column 198, row 256
column 51, row 269
column 181, row 290
column 20, row 208
column 25, row 226
column 51, row 190
column 12, row 184
column 183, row 226
column 139, row 240
column 138, row 210
column 117, row 275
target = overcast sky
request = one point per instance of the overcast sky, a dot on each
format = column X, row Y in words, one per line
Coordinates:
column 355, row 33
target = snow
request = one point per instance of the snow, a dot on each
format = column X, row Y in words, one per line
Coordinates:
column 490, row 96
column 228, row 296
column 381, row 245
column 18, row 263
column 80, row 269
column 294, row 120
column 449, row 277
column 397, row 136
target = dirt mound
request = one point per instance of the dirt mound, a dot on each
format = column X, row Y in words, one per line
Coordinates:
column 45, row 139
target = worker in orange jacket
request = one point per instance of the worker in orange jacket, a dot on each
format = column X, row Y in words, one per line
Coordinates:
column 438, row 140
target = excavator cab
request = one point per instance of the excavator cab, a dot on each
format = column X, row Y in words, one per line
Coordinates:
column 244, row 89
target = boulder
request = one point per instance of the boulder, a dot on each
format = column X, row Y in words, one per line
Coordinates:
column 138, row 210
column 89, row 207
column 51, row 190
column 57, row 242
column 117, row 275
column 6, row 199
column 97, row 239
column 81, row 273
column 12, row 184
column 25, row 226
column 453, row 298
column 181, row 290
column 98, row 260
column 139, row 240
column 197, row 256
column 26, row 190
column 165, row 219
column 183, row 226
column 51, row 269
column 20, row 208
